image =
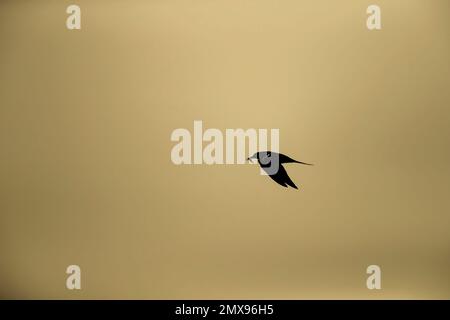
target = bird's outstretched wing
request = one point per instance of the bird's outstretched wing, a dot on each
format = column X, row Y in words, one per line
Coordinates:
column 281, row 177
column 285, row 159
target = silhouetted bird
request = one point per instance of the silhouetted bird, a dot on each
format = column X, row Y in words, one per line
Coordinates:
column 271, row 163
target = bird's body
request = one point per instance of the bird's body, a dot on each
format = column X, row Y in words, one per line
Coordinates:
column 271, row 163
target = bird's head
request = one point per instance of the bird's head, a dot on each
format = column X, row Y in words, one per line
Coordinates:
column 260, row 155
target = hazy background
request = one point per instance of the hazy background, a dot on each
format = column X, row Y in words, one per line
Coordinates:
column 85, row 170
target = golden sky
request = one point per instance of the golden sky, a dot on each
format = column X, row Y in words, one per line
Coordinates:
column 86, row 176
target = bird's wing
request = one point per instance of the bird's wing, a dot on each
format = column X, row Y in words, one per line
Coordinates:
column 282, row 178
column 285, row 159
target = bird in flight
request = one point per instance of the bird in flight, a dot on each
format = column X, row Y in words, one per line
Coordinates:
column 271, row 163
